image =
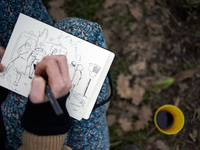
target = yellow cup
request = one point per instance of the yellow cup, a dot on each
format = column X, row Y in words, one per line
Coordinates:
column 177, row 119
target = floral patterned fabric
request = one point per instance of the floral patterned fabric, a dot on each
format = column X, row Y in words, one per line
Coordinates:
column 84, row 134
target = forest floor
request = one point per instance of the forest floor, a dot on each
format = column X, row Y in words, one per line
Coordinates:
column 157, row 48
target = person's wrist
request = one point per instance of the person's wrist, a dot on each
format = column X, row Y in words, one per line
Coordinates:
column 40, row 118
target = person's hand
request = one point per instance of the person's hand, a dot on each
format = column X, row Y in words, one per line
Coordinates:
column 2, row 50
column 55, row 70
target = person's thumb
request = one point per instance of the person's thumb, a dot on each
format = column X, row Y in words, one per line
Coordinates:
column 37, row 94
column 2, row 50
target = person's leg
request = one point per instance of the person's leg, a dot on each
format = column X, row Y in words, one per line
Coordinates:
column 9, row 13
column 13, row 107
column 91, row 133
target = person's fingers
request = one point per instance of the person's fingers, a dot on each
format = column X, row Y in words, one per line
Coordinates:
column 62, row 64
column 56, row 69
column 37, row 94
column 49, row 68
column 2, row 50
column 1, row 67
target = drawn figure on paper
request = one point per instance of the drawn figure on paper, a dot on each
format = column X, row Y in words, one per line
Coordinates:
column 38, row 53
column 76, row 70
column 72, row 67
column 58, row 49
column 93, row 71
column 75, row 46
column 77, row 75
column 41, row 38
column 20, row 62
column 35, row 57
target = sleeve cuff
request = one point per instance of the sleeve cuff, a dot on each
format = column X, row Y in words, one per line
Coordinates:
column 41, row 119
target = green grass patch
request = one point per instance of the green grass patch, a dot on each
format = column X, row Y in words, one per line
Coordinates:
column 121, row 19
column 119, row 139
column 150, row 97
column 189, row 65
column 85, row 9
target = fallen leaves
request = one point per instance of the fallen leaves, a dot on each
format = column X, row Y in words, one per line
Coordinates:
column 176, row 101
column 135, row 93
column 109, row 3
column 125, row 124
column 184, row 75
column 125, row 120
column 138, row 68
column 193, row 135
column 135, row 10
column 154, row 28
column 123, row 88
column 144, row 115
column 127, row 112
column 161, row 145
column 111, row 119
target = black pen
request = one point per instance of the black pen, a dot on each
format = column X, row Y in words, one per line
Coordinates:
column 53, row 101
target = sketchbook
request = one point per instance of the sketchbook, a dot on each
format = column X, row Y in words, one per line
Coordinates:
column 32, row 40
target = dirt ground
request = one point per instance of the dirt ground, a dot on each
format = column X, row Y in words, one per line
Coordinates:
column 157, row 47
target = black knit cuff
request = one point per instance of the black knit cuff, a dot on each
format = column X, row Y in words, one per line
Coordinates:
column 41, row 119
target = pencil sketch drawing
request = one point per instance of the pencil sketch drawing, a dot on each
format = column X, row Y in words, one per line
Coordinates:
column 29, row 49
column 93, row 71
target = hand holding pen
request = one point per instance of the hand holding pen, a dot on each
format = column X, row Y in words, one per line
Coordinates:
column 54, row 71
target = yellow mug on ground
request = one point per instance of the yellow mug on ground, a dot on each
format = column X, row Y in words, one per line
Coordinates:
column 169, row 119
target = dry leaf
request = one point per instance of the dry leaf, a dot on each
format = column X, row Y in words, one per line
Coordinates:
column 176, row 101
column 132, row 110
column 151, row 139
column 136, row 11
column 161, row 145
column 193, row 135
column 137, row 94
column 123, row 88
column 111, row 119
column 125, row 124
column 109, row 3
column 184, row 75
column 144, row 116
column 127, row 110
column 153, row 27
column 150, row 3
column 138, row 68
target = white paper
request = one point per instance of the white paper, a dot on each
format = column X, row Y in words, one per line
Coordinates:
column 32, row 40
